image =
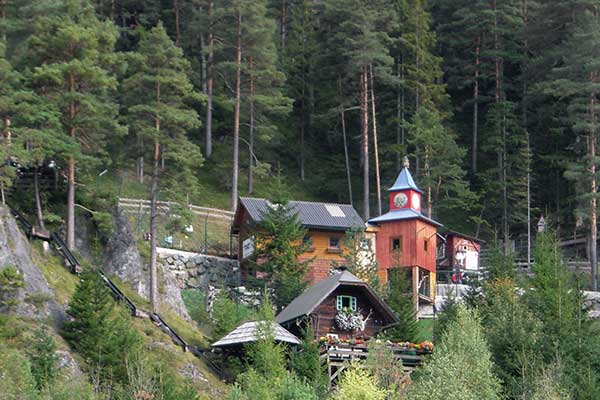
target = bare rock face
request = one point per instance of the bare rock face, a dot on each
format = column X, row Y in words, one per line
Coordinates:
column 123, row 259
column 36, row 299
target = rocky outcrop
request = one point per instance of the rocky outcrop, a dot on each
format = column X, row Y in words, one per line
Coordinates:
column 15, row 251
column 122, row 257
column 199, row 271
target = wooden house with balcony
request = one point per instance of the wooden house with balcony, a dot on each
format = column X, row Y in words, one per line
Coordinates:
column 341, row 306
column 326, row 225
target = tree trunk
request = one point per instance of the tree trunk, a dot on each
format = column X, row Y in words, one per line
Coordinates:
column 251, row 144
column 209, row 85
column 140, row 161
column 375, row 145
column 153, row 225
column 38, row 201
column 364, row 87
column 112, row 10
column 475, row 109
column 71, row 174
column 593, row 188
column 203, row 63
column 346, row 157
column 177, row 22
column 236, row 122
column 284, row 7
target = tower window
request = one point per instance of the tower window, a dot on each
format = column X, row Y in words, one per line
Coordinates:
column 425, row 245
column 396, row 244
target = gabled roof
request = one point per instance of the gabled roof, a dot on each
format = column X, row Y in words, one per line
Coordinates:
column 405, row 181
column 248, row 332
column 405, row 213
column 312, row 297
column 329, row 216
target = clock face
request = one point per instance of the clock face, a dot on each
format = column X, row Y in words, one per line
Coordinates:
column 400, row 200
column 416, row 201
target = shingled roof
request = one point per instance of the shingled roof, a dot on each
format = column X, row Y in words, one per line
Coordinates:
column 317, row 215
column 310, row 299
column 248, row 332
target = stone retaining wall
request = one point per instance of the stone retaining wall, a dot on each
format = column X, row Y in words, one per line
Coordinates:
column 199, row 271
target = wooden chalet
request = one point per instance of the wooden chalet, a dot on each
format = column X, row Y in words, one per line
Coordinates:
column 321, row 304
column 326, row 225
column 406, row 238
column 457, row 251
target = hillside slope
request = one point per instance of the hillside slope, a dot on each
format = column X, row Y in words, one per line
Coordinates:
column 45, row 296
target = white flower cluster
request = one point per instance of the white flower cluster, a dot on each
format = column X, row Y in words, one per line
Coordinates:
column 349, row 321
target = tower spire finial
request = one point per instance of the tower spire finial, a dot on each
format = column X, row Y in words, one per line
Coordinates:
column 405, row 162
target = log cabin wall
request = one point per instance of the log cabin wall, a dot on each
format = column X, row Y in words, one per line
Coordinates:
column 323, row 317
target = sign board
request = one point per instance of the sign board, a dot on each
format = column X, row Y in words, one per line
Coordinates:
column 247, row 248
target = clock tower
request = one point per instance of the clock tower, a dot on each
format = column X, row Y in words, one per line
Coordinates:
column 406, row 238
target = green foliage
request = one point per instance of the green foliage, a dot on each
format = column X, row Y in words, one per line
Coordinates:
column 99, row 330
column 17, row 381
column 305, row 363
column 359, row 256
column 461, row 367
column 514, row 335
column 357, row 383
column 195, row 303
column 278, row 242
column 399, row 298
column 11, row 281
column 386, row 368
column 227, row 314
column 43, row 359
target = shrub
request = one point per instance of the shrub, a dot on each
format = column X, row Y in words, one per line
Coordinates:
column 44, row 362
column 16, row 380
column 357, row 383
column 11, row 280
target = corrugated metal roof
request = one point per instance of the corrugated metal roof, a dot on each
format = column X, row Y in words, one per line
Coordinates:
column 405, row 213
column 310, row 214
column 248, row 332
column 314, row 295
column 405, row 181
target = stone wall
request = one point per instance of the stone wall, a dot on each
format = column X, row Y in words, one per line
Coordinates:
column 199, row 271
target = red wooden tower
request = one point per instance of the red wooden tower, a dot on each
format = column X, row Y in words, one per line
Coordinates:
column 406, row 238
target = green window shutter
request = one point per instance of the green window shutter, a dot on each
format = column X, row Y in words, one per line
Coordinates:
column 353, row 303
column 339, row 303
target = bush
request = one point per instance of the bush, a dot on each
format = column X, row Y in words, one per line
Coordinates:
column 16, row 381
column 227, row 315
column 357, row 383
column 11, row 280
column 44, row 362
column 195, row 302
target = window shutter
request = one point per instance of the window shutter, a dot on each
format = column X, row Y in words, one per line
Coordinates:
column 339, row 303
column 353, row 303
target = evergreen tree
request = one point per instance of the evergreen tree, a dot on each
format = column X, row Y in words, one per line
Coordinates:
column 399, row 298
column 71, row 54
column 11, row 282
column 461, row 367
column 513, row 333
column 359, row 256
column 158, row 95
column 99, row 330
column 306, row 364
column 17, row 381
column 279, row 242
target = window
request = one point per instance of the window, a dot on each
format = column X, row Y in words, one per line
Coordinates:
column 334, row 243
column 307, row 241
column 348, row 302
column 425, row 245
column 397, row 244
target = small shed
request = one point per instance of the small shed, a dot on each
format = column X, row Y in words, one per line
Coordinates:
column 342, row 306
column 249, row 332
